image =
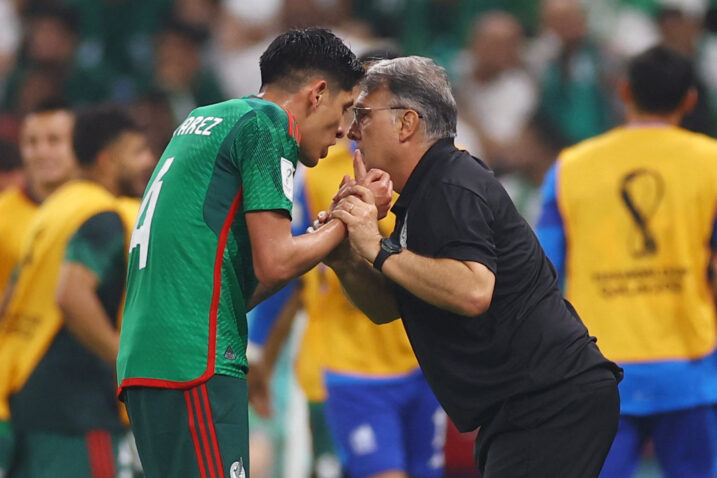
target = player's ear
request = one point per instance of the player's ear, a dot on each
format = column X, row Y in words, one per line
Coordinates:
column 317, row 93
column 623, row 89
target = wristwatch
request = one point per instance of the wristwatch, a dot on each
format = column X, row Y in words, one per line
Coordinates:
column 388, row 248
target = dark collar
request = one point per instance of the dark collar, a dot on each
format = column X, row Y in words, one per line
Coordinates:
column 430, row 158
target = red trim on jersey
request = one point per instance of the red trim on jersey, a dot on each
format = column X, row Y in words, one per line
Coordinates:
column 212, row 431
column 195, row 438
column 213, row 311
column 203, row 433
column 293, row 126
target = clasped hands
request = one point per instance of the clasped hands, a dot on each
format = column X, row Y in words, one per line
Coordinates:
column 360, row 202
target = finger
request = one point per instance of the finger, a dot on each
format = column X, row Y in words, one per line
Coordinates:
column 345, row 185
column 362, row 193
column 344, row 216
column 322, row 216
column 375, row 175
column 359, row 165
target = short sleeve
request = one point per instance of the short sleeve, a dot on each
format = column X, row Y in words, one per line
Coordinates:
column 267, row 174
column 463, row 226
column 98, row 244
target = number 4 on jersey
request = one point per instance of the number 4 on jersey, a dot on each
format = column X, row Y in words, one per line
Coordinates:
column 140, row 235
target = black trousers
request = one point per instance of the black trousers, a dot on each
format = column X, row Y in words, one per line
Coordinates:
column 564, row 431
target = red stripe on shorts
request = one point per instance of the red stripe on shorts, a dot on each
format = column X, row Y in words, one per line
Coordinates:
column 212, row 431
column 195, row 438
column 203, row 433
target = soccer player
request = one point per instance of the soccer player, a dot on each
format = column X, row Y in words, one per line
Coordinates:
column 629, row 222
column 48, row 161
column 62, row 317
column 499, row 346
column 213, row 239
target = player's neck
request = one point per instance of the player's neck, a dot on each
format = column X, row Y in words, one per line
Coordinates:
column 99, row 176
column 637, row 118
column 290, row 102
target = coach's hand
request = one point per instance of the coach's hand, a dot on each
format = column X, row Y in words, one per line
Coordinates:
column 359, row 213
column 377, row 181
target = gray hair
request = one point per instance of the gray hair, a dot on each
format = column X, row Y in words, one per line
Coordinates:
column 420, row 84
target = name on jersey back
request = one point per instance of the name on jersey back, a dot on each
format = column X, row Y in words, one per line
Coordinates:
column 198, row 125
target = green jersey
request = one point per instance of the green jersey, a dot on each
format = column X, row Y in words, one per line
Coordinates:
column 190, row 272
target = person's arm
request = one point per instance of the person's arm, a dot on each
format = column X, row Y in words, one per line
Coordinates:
column 550, row 230
column 268, row 329
column 461, row 287
column 85, row 317
column 278, row 256
column 93, row 254
column 369, row 290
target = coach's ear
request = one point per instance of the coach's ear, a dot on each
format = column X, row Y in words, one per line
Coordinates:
column 409, row 123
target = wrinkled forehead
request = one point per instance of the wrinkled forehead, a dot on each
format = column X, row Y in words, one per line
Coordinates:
column 365, row 98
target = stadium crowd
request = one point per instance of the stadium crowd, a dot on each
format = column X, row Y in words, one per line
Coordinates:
column 531, row 78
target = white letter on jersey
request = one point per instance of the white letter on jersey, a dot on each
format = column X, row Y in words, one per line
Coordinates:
column 140, row 235
column 287, row 178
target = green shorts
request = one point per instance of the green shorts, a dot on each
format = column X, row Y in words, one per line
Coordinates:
column 97, row 454
column 201, row 432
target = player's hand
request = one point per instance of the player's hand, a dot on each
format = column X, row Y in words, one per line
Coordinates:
column 258, row 380
column 359, row 213
column 321, row 218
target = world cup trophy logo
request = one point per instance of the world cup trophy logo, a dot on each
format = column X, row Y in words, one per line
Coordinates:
column 642, row 191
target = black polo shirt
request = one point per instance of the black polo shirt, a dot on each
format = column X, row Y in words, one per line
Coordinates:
column 530, row 338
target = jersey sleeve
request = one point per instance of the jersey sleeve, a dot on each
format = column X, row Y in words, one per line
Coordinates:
column 468, row 235
column 267, row 174
column 98, row 244
column 550, row 230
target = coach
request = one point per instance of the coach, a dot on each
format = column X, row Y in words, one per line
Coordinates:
column 498, row 344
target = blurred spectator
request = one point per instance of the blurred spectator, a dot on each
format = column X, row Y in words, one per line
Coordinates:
column 153, row 113
column 11, row 173
column 50, row 47
column 529, row 158
column 178, row 69
column 9, row 36
column 201, row 14
column 244, row 32
column 496, row 94
column 435, row 28
column 119, row 33
column 573, row 79
column 680, row 24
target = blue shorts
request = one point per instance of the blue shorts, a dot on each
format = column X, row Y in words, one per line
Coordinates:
column 684, row 443
column 382, row 425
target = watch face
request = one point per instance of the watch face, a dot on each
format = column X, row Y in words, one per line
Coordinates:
column 389, row 246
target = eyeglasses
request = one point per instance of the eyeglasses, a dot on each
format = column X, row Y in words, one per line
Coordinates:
column 362, row 112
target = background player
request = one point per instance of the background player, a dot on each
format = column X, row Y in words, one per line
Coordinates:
column 638, row 206
column 62, row 317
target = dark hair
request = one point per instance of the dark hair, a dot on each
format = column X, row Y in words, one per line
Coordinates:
column 296, row 54
column 184, row 30
column 9, row 157
column 659, row 79
column 51, row 105
column 98, row 127
column 48, row 11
